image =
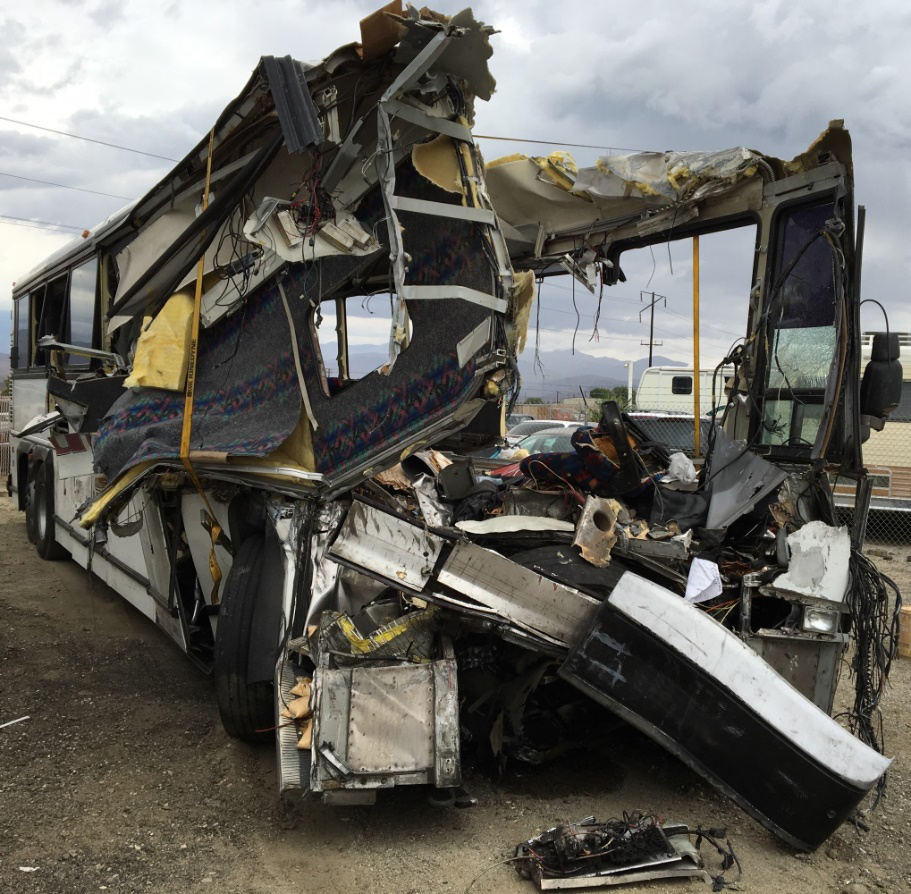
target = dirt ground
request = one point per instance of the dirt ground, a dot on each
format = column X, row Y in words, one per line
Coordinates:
column 123, row 780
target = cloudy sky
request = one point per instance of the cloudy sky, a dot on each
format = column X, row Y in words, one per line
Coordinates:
column 769, row 75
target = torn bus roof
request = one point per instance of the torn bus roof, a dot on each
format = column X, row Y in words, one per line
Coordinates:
column 546, row 202
column 307, row 106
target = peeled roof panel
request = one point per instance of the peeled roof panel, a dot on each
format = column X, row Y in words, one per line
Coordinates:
column 157, row 284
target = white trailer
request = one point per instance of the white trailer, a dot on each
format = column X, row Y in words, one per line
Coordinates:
column 669, row 389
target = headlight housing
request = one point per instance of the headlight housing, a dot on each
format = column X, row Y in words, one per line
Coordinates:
column 820, row 620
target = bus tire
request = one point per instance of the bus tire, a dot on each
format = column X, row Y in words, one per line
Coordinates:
column 246, row 709
column 45, row 526
column 31, row 522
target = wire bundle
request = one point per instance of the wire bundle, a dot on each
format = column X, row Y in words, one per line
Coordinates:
column 875, row 621
column 574, row 848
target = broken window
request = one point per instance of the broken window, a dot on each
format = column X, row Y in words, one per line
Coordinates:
column 353, row 336
column 801, row 318
column 49, row 307
column 665, row 271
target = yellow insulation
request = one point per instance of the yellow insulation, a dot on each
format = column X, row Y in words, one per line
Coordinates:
column 163, row 346
column 524, row 294
column 438, row 162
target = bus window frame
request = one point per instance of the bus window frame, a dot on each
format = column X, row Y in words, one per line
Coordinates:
column 40, row 357
column 74, row 361
column 22, row 348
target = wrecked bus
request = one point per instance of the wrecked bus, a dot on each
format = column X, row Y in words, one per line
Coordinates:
column 189, row 425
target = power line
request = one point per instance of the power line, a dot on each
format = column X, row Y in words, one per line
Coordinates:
column 41, row 224
column 94, row 192
column 10, row 223
column 483, row 136
column 76, row 136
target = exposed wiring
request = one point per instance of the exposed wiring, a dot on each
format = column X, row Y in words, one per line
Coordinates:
column 875, row 620
column 728, row 857
column 596, row 335
column 578, row 318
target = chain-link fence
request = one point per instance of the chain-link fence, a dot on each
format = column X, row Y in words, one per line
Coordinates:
column 6, row 415
column 887, row 456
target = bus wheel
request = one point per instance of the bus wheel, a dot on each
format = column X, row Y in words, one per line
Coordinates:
column 31, row 521
column 45, row 527
column 247, row 709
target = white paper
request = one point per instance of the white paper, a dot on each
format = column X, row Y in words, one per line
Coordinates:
column 703, row 582
column 681, row 473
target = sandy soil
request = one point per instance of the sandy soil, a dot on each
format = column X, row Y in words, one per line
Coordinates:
column 122, row 779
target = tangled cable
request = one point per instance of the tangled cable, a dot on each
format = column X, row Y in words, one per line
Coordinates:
column 875, row 623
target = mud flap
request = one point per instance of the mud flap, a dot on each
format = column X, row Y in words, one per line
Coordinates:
column 688, row 683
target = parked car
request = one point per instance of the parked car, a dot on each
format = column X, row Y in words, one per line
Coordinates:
column 549, row 440
column 513, row 419
column 523, row 429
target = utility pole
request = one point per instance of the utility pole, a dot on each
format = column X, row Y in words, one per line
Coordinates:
column 651, row 326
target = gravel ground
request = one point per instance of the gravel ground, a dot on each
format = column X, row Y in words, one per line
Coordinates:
column 122, row 779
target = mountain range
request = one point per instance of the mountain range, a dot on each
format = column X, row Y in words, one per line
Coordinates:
column 564, row 371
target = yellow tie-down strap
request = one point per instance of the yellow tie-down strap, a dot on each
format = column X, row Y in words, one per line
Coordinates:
column 215, row 531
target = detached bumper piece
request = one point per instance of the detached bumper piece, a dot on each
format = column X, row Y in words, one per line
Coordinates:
column 684, row 680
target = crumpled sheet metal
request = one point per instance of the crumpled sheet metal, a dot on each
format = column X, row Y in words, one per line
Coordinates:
column 740, row 480
column 529, row 193
column 387, row 547
column 595, row 534
column 523, row 597
column 819, row 565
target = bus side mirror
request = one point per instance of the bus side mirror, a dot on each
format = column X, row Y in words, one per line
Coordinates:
column 881, row 385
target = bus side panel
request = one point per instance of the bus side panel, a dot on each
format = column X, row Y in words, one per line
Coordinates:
column 118, row 580
column 121, row 562
column 29, row 399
